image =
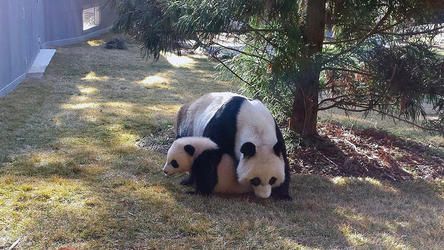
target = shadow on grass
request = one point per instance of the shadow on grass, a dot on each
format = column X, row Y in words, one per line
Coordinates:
column 130, row 212
column 325, row 213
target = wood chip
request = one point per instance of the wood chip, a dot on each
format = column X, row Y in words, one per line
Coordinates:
column 15, row 243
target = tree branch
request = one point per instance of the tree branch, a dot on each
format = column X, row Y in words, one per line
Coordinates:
column 406, row 121
column 389, row 115
column 330, row 106
column 347, row 70
column 379, row 31
column 242, row 52
column 342, row 41
column 331, row 99
column 232, row 71
column 355, row 110
column 343, row 102
column 247, row 43
column 413, row 33
column 370, row 33
column 266, row 39
column 239, row 31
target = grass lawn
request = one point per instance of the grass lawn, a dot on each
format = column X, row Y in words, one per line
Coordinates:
column 72, row 175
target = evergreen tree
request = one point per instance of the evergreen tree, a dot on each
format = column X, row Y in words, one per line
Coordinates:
column 379, row 58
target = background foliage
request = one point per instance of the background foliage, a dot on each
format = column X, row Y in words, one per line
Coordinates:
column 379, row 58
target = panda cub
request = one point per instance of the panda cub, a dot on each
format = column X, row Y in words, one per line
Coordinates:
column 210, row 169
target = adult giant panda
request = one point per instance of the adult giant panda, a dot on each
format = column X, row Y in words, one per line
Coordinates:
column 246, row 130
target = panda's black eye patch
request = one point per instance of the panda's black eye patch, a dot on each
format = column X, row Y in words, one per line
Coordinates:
column 174, row 164
column 272, row 180
column 189, row 149
column 248, row 149
column 255, row 181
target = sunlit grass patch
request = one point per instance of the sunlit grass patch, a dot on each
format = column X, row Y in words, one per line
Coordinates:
column 96, row 42
column 81, row 105
column 25, row 198
column 155, row 81
column 180, row 61
column 354, row 238
column 92, row 77
column 87, row 90
column 351, row 182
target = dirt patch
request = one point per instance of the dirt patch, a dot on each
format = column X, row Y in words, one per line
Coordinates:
column 368, row 153
column 160, row 141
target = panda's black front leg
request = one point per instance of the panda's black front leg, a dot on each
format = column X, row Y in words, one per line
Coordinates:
column 282, row 192
column 188, row 180
column 204, row 170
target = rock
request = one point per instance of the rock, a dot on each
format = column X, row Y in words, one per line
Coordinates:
column 116, row 43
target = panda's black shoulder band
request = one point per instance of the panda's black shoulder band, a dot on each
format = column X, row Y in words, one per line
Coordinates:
column 204, row 170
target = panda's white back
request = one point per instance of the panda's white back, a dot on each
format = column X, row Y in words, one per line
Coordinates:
column 204, row 108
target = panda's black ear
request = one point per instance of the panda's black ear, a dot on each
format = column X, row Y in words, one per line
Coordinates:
column 278, row 148
column 189, row 149
column 248, row 149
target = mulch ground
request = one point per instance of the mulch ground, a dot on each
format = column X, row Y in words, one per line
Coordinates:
column 368, row 153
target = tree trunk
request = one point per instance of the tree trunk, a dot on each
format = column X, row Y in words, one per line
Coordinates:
column 305, row 103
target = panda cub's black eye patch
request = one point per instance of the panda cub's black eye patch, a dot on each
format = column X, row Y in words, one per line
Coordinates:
column 272, row 180
column 174, row 164
column 255, row 181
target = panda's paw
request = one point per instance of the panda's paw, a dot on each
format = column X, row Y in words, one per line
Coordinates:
column 187, row 181
column 198, row 193
column 205, row 194
column 283, row 197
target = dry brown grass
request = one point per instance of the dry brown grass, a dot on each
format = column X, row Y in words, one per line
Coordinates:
column 394, row 127
column 71, row 174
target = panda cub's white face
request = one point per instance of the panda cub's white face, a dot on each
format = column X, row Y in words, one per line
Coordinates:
column 262, row 167
column 182, row 153
column 179, row 158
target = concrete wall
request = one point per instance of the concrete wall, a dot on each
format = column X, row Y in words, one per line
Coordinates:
column 21, row 26
column 71, row 29
column 28, row 25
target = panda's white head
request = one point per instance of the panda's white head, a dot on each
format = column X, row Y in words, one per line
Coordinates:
column 262, row 167
column 181, row 155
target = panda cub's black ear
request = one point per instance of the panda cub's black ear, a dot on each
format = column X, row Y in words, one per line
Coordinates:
column 189, row 149
column 278, row 149
column 248, row 149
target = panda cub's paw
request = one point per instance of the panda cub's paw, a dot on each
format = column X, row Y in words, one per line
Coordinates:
column 198, row 193
column 187, row 181
column 282, row 197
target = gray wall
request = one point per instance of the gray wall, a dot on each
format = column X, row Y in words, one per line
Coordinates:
column 71, row 29
column 20, row 28
column 28, row 25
